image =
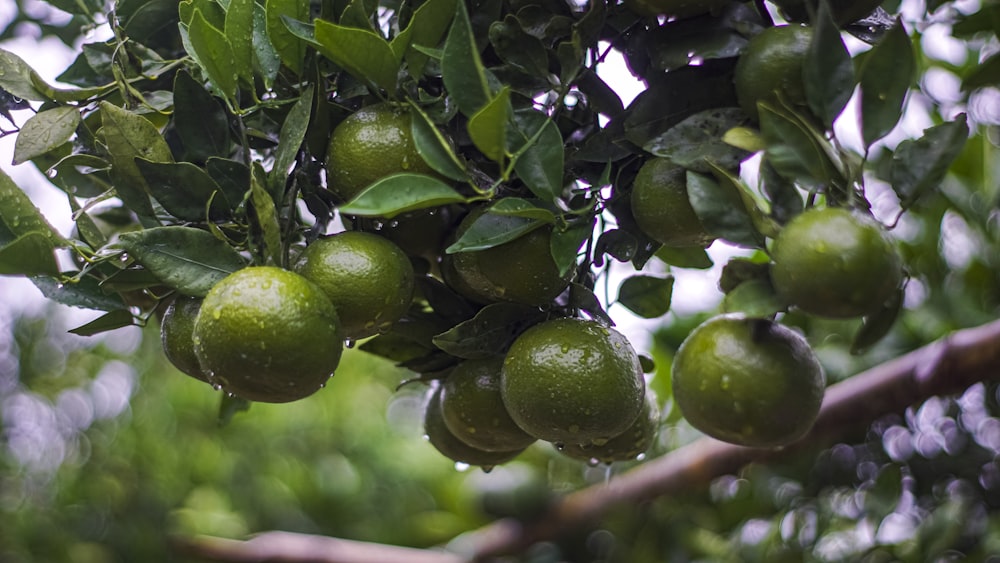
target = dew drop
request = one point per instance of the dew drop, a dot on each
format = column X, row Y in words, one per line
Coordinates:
column 394, row 223
column 217, row 386
column 593, row 462
column 348, row 343
column 487, row 468
column 641, row 457
column 461, row 466
column 559, row 446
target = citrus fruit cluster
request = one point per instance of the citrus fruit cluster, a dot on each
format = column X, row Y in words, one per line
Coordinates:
column 478, row 271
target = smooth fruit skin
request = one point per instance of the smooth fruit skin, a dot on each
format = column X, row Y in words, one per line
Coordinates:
column 770, row 68
column 374, row 142
column 267, row 334
column 451, row 447
column 518, row 271
column 368, row 279
column 833, row 262
column 473, row 408
column 661, row 206
column 626, row 446
column 572, row 381
column 751, row 382
column 176, row 335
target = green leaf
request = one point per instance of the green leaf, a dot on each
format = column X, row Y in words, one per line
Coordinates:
column 433, row 147
column 885, row 77
column 112, row 320
column 490, row 332
column 200, row 120
column 517, row 48
column 580, row 297
column 187, row 259
column 919, row 165
column 266, row 214
column 129, row 136
column 762, row 223
column 646, row 296
column 85, row 293
column 266, row 59
column 520, row 207
column 239, row 31
column 461, row 67
column 30, row 254
column 363, row 53
column 754, row 298
column 20, row 216
column 400, row 193
column 45, row 131
column 685, row 257
column 795, row 149
column 565, row 244
column 293, row 132
column 540, row 162
column 290, row 49
column 721, row 210
column 828, row 72
column 698, row 141
column 488, row 127
column 214, row 53
column 489, row 230
column 16, row 77
column 230, row 175
column 429, row 23
column 184, row 190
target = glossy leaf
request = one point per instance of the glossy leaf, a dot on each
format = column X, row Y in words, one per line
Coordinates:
column 754, row 298
column 184, row 190
column 107, row 322
column 519, row 49
column 239, row 31
column 231, row 176
column 433, row 147
column 429, row 24
column 266, row 59
column 828, row 71
column 30, row 254
column 488, row 127
column 919, row 165
column 290, row 138
column 129, row 136
column 489, row 230
column 186, row 259
column 584, row 299
column 200, row 120
column 520, row 207
column 685, row 257
column 290, row 49
column 214, row 53
column 565, row 244
column 85, row 293
column 794, row 149
column 461, row 67
column 886, row 73
column 490, row 332
column 646, row 296
column 400, row 193
column 540, row 164
column 20, row 216
column 721, row 210
column 265, row 214
column 16, row 77
column 361, row 52
column 45, row 131
column 698, row 141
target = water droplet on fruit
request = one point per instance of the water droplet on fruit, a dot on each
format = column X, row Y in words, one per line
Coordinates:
column 470, row 429
column 217, row 314
column 593, row 462
column 461, row 466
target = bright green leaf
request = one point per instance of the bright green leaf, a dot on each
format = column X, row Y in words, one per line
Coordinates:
column 461, row 67
column 20, row 216
column 239, row 31
column 112, row 320
column 361, row 52
column 45, row 131
column 293, row 132
column 400, row 193
column 266, row 214
column 213, row 51
column 291, row 50
column 488, row 127
column 433, row 147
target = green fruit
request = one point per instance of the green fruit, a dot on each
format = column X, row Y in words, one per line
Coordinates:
column 451, row 447
column 473, row 408
column 176, row 335
column 267, row 334
column 661, row 206
column 368, row 279
column 572, row 381
column 374, row 142
column 751, row 382
column 834, row 262
column 626, row 446
column 770, row 68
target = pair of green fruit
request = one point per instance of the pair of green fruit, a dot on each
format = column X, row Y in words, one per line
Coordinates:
column 273, row 335
column 571, row 382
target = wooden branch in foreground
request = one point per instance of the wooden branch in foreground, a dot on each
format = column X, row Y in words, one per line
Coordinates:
column 946, row 366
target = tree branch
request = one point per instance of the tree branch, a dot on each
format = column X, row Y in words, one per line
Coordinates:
column 946, row 366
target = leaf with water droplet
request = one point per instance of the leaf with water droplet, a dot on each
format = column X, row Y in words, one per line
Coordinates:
column 28, row 255
column 107, row 322
column 20, row 215
column 400, row 193
column 45, row 131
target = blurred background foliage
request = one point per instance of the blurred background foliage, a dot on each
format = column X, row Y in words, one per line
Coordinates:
column 106, row 451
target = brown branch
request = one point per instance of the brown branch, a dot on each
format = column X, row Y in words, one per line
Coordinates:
column 946, row 366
